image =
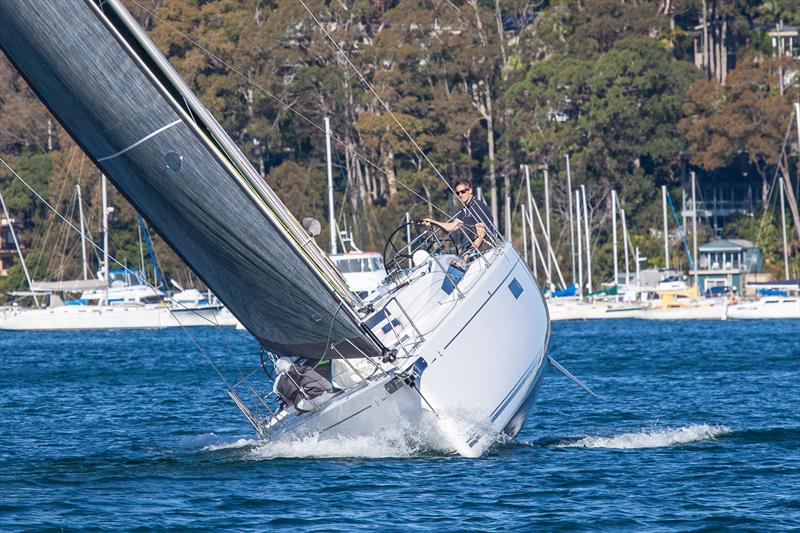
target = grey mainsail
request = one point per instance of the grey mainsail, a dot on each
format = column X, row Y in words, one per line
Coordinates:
column 120, row 100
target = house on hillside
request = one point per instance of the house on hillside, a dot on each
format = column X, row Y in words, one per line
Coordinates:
column 724, row 193
column 728, row 263
column 8, row 251
column 786, row 43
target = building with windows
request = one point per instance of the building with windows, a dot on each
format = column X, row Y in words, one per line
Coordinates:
column 785, row 41
column 728, row 263
column 786, row 44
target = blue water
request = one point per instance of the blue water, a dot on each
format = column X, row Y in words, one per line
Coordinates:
column 697, row 427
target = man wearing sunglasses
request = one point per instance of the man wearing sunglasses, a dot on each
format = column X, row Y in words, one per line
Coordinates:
column 473, row 219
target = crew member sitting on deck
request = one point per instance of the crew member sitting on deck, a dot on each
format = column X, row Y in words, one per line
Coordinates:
column 300, row 384
column 473, row 219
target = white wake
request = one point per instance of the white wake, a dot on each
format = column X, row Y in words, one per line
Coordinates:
column 440, row 435
column 652, row 439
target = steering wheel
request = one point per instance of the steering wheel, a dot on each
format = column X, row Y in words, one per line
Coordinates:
column 398, row 251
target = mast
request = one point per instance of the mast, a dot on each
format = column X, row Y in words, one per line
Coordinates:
column 783, row 228
column 141, row 251
column 550, row 254
column 694, row 227
column 578, row 240
column 507, row 211
column 625, row 243
column 331, row 216
column 83, row 234
column 588, row 239
column 666, row 227
column 547, row 228
column 639, row 259
column 530, row 217
column 105, row 233
column 614, row 234
column 535, row 247
column 571, row 228
column 524, row 233
column 19, row 250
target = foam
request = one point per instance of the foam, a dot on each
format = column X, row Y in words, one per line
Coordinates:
column 430, row 436
column 652, row 439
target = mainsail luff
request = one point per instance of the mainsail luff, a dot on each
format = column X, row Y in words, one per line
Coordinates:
column 192, row 187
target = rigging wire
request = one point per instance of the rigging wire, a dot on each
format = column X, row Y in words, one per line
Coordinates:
column 369, row 86
column 286, row 105
column 115, row 260
column 767, row 202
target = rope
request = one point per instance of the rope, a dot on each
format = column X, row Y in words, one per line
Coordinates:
column 369, row 86
column 289, row 107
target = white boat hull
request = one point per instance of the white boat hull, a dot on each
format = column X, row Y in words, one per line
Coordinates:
column 689, row 312
column 485, row 355
column 575, row 310
column 93, row 317
column 766, row 308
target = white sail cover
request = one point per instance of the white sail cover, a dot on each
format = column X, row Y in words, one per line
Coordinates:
column 117, row 96
column 72, row 285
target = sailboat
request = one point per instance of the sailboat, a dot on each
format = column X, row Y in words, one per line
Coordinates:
column 117, row 299
column 432, row 347
column 363, row 271
column 778, row 299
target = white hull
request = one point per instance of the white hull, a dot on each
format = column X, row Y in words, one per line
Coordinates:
column 485, row 354
column 92, row 317
column 766, row 308
column 688, row 312
column 574, row 310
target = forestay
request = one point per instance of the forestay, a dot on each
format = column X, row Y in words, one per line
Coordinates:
column 117, row 96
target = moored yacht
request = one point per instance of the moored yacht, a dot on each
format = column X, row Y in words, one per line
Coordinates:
column 778, row 299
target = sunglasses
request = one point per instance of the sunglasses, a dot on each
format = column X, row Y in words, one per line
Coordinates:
column 462, row 191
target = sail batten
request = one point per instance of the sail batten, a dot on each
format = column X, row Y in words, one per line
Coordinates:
column 180, row 170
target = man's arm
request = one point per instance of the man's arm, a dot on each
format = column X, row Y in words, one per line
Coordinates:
column 480, row 231
column 447, row 226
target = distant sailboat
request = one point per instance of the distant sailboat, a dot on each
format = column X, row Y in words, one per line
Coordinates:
column 431, row 347
column 117, row 299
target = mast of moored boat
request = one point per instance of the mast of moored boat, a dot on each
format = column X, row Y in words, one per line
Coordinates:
column 783, row 228
column 666, row 227
column 508, row 213
column 551, row 256
column 547, row 228
column 19, row 250
column 588, row 239
column 571, row 225
column 83, row 233
column 524, row 232
column 331, row 217
column 578, row 240
column 694, row 229
column 104, row 193
column 530, row 217
column 614, row 234
column 625, row 241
